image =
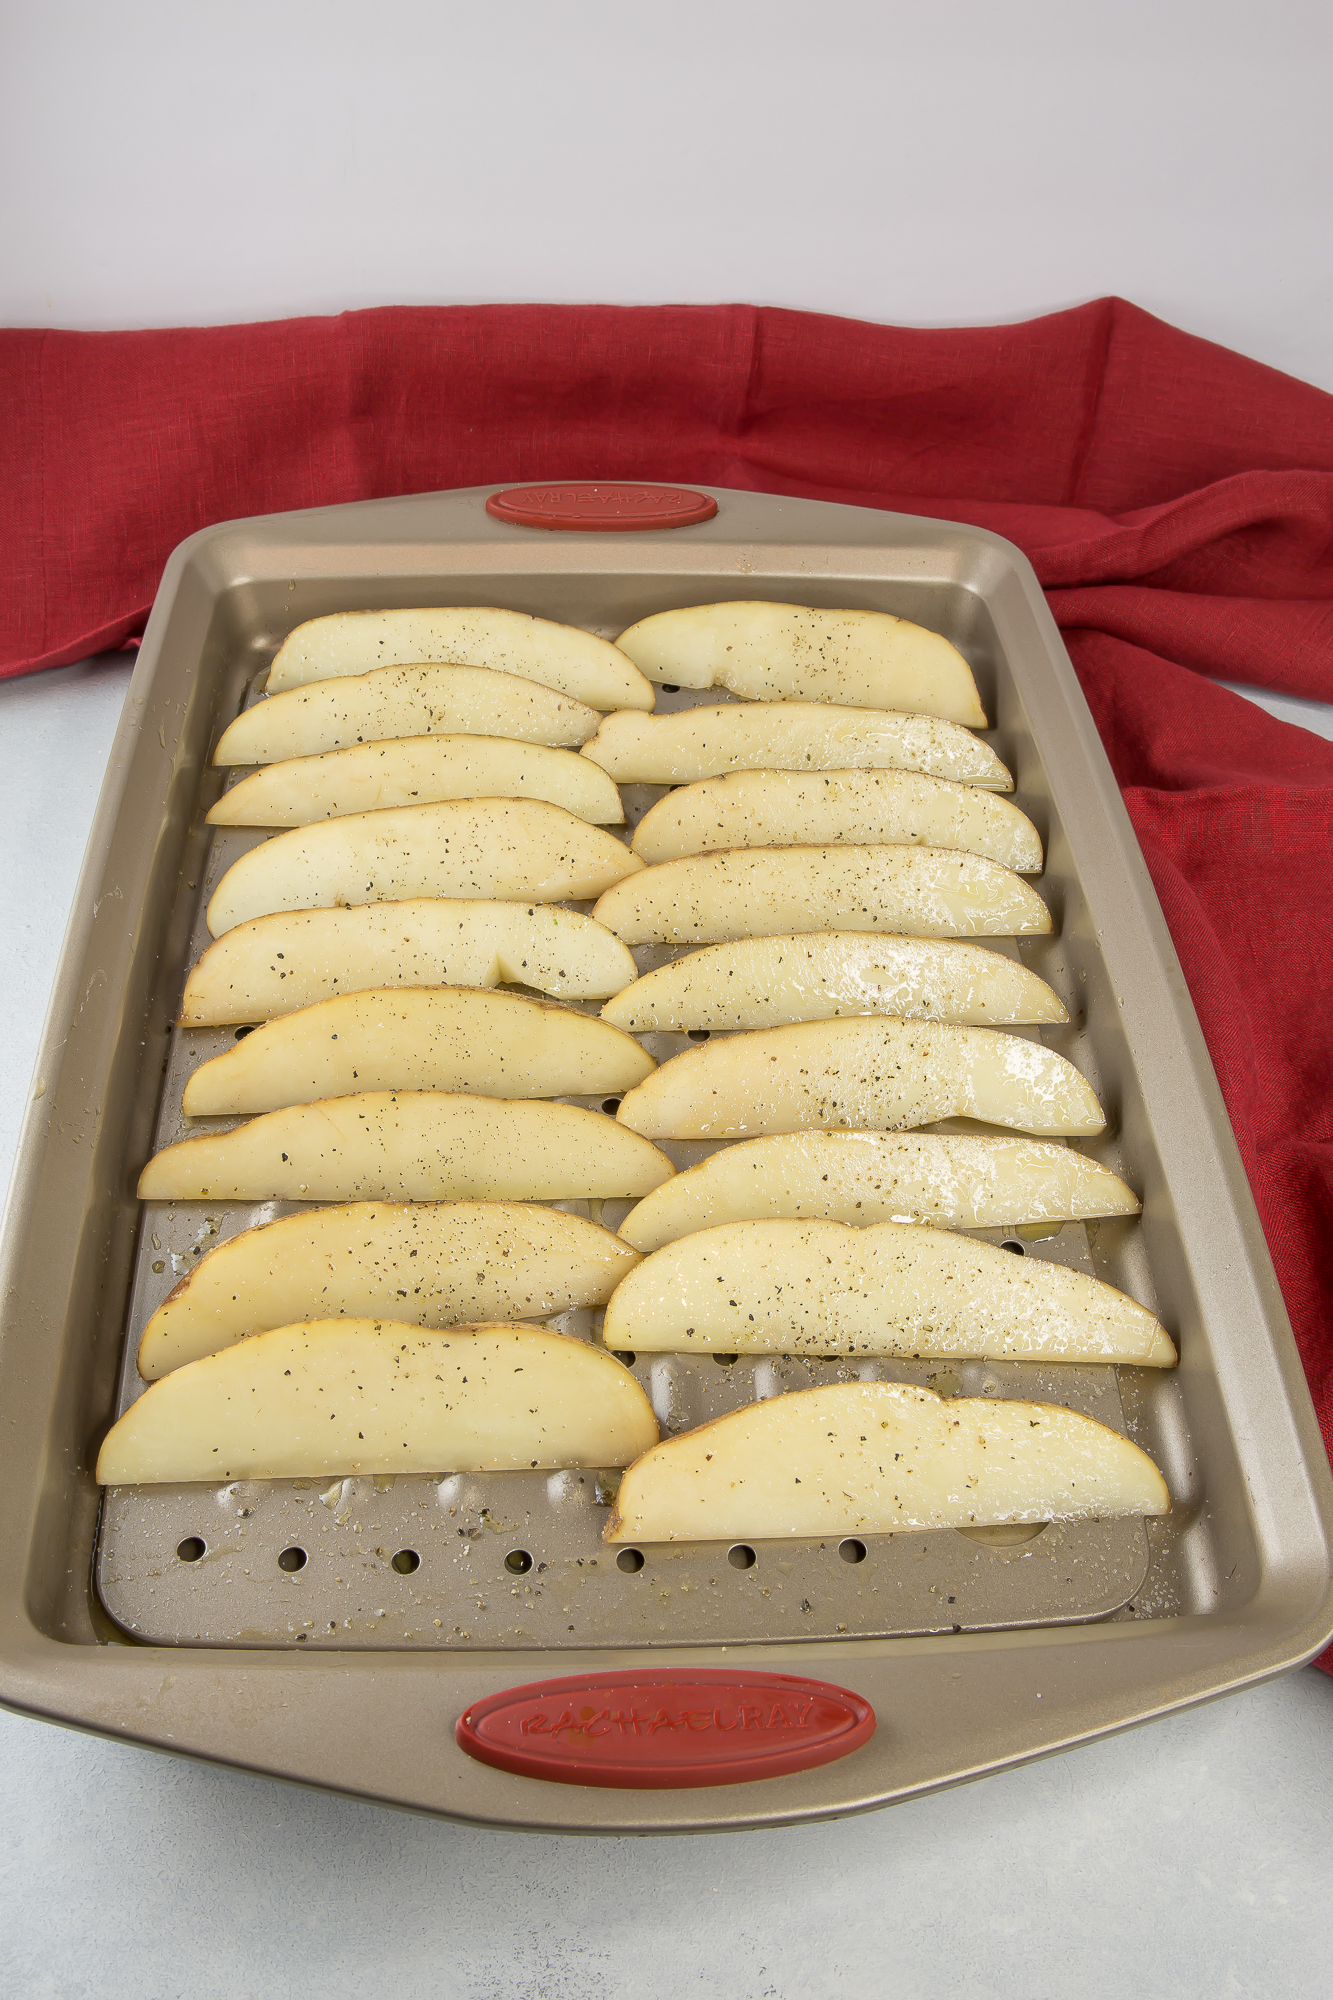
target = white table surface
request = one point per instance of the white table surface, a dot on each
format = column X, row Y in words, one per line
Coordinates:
column 1190, row 1858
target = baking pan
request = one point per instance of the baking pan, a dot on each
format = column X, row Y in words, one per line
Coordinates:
column 337, row 1673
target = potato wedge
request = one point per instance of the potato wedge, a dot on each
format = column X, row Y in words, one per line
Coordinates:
column 973, row 1181
column 336, row 1397
column 862, row 1075
column 769, row 982
column 394, row 702
column 788, row 736
column 509, row 850
column 563, row 657
column 900, row 1288
column 834, row 808
column 455, row 1038
column 772, row 891
column 273, row 965
column 411, row 1145
column 418, row 770
column 425, row 1263
column 875, row 1458
column 776, row 652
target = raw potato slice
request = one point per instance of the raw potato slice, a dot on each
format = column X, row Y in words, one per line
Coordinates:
column 771, row 891
column 512, row 850
column 769, row 982
column 771, row 652
column 899, row 1288
column 866, row 1075
column 418, row 770
column 973, row 1181
column 403, row 702
column 788, row 736
column 411, row 1145
column 336, row 1397
column 833, row 808
column 433, row 1038
column 427, row 1263
column 875, row 1458
column 563, row 657
column 273, row 965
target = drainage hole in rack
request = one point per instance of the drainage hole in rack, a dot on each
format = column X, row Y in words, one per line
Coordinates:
column 293, row 1559
column 191, row 1549
column 630, row 1561
column 625, row 1354
column 742, row 1556
column 726, row 1360
column 519, row 1561
column 406, row 1561
column 669, row 687
column 699, row 1034
column 852, row 1551
column 1019, row 1249
column 241, row 1033
column 611, row 1105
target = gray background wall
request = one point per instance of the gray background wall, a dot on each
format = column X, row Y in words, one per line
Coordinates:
column 966, row 162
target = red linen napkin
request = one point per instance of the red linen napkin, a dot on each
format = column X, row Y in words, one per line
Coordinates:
column 1176, row 500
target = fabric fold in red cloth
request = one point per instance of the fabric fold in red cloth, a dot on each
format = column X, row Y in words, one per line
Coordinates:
column 1175, row 499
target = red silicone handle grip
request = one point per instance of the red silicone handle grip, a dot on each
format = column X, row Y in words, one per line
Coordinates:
column 649, row 1731
column 601, row 507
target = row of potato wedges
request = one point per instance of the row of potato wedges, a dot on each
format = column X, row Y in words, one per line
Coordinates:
column 354, row 1396
column 859, row 1072
column 756, row 651
column 775, row 1286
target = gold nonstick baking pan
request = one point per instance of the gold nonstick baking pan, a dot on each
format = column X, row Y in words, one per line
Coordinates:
column 467, row 1645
